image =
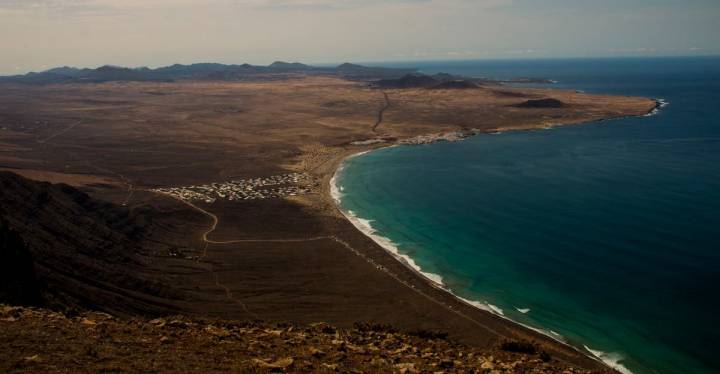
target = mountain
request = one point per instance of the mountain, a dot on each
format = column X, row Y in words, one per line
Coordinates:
column 408, row 81
column 281, row 65
column 62, row 249
column 115, row 73
column 349, row 66
column 202, row 71
column 381, row 77
column 65, row 71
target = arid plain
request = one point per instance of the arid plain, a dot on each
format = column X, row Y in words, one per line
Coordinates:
column 294, row 258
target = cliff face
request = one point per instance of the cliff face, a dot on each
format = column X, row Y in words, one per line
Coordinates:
column 39, row 340
column 62, row 249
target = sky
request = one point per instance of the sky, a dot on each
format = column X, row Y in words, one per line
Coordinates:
column 40, row 34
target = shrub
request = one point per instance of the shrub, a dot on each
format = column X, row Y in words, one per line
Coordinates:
column 519, row 347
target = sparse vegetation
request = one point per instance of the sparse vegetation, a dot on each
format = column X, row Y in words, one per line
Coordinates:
column 37, row 340
column 519, row 347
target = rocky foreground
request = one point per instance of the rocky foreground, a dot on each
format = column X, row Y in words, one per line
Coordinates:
column 38, row 340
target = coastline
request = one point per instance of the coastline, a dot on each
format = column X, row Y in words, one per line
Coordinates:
column 311, row 263
column 435, row 280
column 610, row 360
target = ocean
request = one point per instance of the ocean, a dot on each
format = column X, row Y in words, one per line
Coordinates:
column 605, row 235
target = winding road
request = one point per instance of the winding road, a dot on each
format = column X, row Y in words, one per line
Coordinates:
column 385, row 107
column 228, row 292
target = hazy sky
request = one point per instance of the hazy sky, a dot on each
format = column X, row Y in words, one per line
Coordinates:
column 39, row 34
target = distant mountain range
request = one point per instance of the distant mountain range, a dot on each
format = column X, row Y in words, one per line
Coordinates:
column 204, row 71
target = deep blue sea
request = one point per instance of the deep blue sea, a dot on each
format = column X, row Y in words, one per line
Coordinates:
column 606, row 234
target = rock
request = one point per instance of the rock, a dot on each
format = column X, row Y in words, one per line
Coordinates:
column 398, row 351
column 282, row 363
column 100, row 316
column 323, row 327
column 406, row 367
column 330, row 366
column 176, row 323
column 316, row 352
column 355, row 348
column 9, row 311
column 33, row 358
column 378, row 362
column 300, row 350
column 220, row 333
column 273, row 332
column 157, row 322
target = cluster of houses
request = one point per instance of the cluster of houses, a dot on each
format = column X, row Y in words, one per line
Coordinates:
column 275, row 186
column 452, row 136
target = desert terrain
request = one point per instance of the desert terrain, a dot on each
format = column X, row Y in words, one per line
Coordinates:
column 290, row 256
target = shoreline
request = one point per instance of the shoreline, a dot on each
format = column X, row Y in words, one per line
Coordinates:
column 608, row 359
column 435, row 280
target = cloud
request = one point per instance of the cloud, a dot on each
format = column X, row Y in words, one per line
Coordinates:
column 633, row 50
column 79, row 5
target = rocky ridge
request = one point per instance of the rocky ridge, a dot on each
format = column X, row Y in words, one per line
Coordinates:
column 40, row 340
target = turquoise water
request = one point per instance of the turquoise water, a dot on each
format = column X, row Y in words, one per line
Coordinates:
column 609, row 233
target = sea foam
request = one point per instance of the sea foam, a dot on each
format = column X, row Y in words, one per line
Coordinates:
column 610, row 359
column 365, row 226
column 484, row 306
column 661, row 103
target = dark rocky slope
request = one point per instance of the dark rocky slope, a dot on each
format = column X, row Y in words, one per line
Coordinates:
column 542, row 103
column 62, row 249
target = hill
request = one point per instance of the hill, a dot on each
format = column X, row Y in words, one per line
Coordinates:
column 408, row 81
column 62, row 249
column 541, row 103
column 202, row 71
column 440, row 81
column 458, row 84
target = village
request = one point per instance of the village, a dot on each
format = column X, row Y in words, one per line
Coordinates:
column 292, row 184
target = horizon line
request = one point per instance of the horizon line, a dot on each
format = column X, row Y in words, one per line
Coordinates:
column 375, row 62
